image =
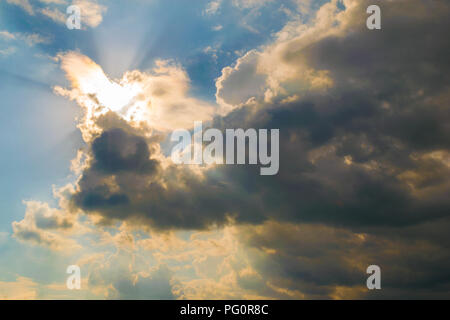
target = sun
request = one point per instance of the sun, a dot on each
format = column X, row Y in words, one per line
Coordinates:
column 90, row 80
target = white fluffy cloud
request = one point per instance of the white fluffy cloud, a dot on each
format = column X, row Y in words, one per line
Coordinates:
column 277, row 70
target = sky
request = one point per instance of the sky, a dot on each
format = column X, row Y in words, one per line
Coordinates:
column 87, row 177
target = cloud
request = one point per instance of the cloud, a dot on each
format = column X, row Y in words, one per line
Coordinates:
column 41, row 226
column 7, row 35
column 364, row 166
column 8, row 51
column 335, row 140
column 207, row 264
column 371, row 157
column 127, row 273
column 115, row 151
column 154, row 98
column 240, row 83
column 34, row 38
column 54, row 1
column 324, row 133
column 267, row 73
column 91, row 11
column 317, row 261
column 54, row 14
column 245, row 4
column 20, row 289
column 155, row 286
column 24, row 4
column 30, row 39
column 213, row 7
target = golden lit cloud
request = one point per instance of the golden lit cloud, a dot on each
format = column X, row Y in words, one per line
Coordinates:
column 20, row 289
column 159, row 100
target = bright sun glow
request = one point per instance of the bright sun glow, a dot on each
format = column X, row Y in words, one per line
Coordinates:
column 109, row 94
column 89, row 78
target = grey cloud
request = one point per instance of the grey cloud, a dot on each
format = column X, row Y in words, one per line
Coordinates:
column 366, row 156
column 31, row 235
column 126, row 275
column 116, row 151
column 156, row 286
column 385, row 111
column 317, row 260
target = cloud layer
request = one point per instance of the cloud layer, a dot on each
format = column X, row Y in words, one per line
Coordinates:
column 364, row 165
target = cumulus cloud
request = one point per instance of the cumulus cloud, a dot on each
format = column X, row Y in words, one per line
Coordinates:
column 346, row 171
column 370, row 146
column 266, row 74
column 41, row 224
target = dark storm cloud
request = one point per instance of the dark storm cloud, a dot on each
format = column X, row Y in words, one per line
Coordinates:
column 115, row 151
column 387, row 109
column 393, row 122
column 317, row 260
column 389, row 105
column 101, row 198
column 369, row 157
